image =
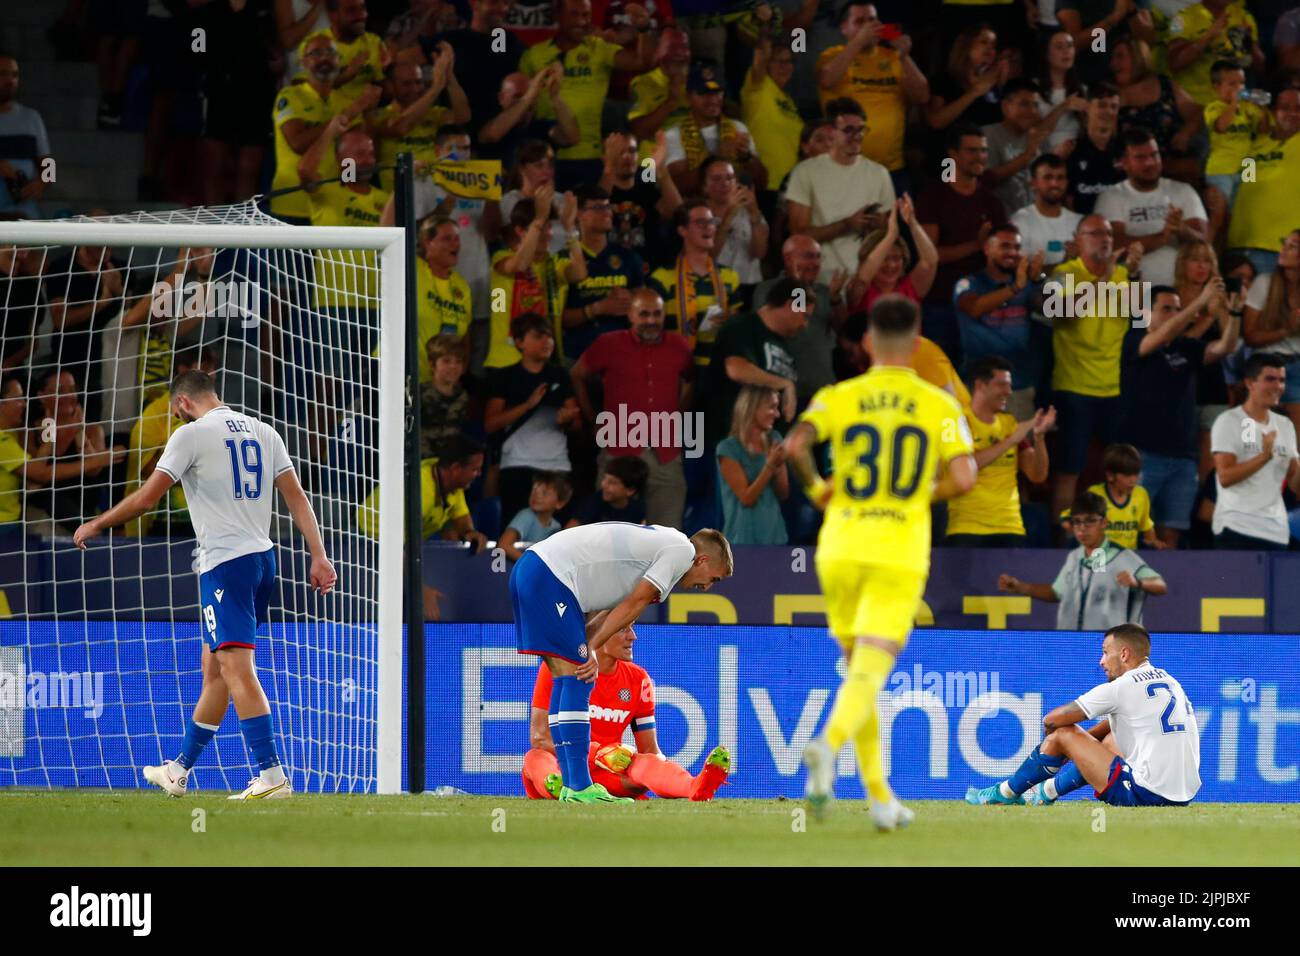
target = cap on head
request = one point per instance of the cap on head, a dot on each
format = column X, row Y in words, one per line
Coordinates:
column 703, row 78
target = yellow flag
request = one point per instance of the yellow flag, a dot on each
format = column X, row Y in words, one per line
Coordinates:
column 471, row 178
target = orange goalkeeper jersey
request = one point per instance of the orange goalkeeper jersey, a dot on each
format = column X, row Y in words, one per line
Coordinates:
column 625, row 695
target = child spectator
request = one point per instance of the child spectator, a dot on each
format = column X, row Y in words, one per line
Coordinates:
column 1234, row 125
column 537, row 522
column 444, row 403
column 1128, row 506
column 619, row 497
column 751, row 461
column 531, row 403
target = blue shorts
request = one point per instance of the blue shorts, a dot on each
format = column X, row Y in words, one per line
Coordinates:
column 548, row 620
column 1172, row 484
column 234, row 597
column 1122, row 791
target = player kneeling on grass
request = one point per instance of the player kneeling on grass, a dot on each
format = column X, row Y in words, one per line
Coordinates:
column 609, row 566
column 623, row 694
column 1145, row 752
column 222, row 459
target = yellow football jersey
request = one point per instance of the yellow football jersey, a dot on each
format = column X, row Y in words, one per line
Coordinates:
column 890, row 432
column 443, row 308
column 345, row 277
column 13, row 459
column 587, row 69
column 300, row 101
column 1126, row 522
column 993, row 505
column 418, row 141
column 372, row 71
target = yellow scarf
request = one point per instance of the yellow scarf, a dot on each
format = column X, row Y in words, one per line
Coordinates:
column 693, row 139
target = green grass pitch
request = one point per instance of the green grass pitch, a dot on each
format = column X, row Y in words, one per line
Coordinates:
column 82, row 828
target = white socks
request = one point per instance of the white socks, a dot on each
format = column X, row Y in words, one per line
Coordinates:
column 273, row 776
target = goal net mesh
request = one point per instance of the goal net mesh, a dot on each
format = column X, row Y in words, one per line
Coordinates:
column 100, row 649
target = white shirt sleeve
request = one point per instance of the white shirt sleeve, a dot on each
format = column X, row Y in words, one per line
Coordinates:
column 798, row 189
column 1099, row 701
column 668, row 567
column 280, row 460
column 1225, row 435
column 1257, row 297
column 1189, row 202
column 178, row 455
column 673, row 142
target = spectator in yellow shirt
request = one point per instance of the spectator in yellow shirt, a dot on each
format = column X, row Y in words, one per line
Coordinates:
column 443, row 481
column 659, row 96
column 588, row 62
column 301, row 113
column 1090, row 302
column 1128, row 506
column 1206, row 32
column 988, row 516
column 1267, row 207
column 771, row 115
column 444, row 303
column 883, row 79
column 409, row 124
column 363, row 55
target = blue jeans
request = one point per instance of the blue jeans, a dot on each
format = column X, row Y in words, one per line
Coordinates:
column 1172, row 484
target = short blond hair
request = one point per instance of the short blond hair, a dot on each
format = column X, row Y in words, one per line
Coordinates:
column 715, row 544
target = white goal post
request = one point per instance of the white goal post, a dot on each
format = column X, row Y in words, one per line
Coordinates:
column 383, row 771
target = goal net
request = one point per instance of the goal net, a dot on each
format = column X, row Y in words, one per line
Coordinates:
column 100, row 649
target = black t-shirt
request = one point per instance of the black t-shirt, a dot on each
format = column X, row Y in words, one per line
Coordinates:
column 516, row 384
column 1158, row 396
column 479, row 69
column 982, row 111
column 745, row 336
column 1091, row 170
column 594, row 508
column 638, row 225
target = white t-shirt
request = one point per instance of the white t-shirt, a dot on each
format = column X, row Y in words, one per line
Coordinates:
column 559, row 238
column 709, row 134
column 1155, row 729
column 602, row 563
column 1144, row 214
column 1067, row 124
column 1039, row 233
column 735, row 250
column 833, row 191
column 1254, row 506
column 227, row 462
column 1257, row 298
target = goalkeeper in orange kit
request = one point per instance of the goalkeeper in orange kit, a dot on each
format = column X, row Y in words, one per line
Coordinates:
column 623, row 695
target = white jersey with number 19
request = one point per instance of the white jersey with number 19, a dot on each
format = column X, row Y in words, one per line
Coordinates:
column 227, row 463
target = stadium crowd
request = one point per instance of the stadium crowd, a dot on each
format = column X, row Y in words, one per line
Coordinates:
column 1092, row 202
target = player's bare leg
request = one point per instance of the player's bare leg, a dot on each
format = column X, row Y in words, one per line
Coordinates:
column 1069, row 779
column 214, row 700
column 1090, row 755
column 254, row 710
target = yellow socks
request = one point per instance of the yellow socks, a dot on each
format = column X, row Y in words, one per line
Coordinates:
column 854, row 715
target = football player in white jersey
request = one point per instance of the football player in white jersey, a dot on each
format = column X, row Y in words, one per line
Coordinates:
column 226, row 462
column 1144, row 752
column 609, row 566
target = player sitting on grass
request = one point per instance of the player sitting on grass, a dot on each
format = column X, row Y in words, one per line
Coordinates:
column 224, row 460
column 1145, row 752
column 609, row 566
column 623, row 694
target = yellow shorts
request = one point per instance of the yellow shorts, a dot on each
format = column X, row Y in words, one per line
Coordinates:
column 869, row 600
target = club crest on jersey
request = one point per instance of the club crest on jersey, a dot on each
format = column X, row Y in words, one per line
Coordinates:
column 625, row 695
column 582, row 651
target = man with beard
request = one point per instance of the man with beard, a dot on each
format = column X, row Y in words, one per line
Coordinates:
column 647, row 371
column 1045, row 225
column 410, row 123
column 236, row 566
column 660, row 95
column 1159, row 213
column 302, row 112
column 640, row 207
column 363, row 55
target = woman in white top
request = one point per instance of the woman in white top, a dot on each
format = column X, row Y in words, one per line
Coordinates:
column 534, row 169
column 1272, row 320
column 1056, row 82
